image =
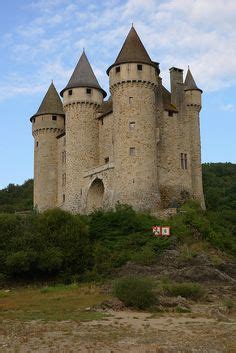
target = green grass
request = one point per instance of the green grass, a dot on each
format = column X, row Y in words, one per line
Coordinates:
column 55, row 304
column 187, row 290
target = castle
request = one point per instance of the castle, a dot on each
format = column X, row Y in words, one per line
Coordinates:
column 140, row 147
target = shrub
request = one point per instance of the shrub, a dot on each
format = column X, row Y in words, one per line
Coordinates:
column 135, row 292
column 186, row 290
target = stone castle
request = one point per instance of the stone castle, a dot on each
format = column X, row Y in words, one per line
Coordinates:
column 140, row 147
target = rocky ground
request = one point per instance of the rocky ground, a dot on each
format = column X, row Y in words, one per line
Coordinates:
column 177, row 325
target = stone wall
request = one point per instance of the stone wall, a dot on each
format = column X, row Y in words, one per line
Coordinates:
column 45, row 132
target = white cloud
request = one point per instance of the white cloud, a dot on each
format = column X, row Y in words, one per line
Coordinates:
column 228, row 107
column 175, row 32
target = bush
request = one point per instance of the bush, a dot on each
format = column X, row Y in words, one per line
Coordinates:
column 135, row 292
column 186, row 290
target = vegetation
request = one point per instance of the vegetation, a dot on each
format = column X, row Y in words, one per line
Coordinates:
column 135, row 292
column 60, row 246
column 17, row 198
column 59, row 303
column 187, row 290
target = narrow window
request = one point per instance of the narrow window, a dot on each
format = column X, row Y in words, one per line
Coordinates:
column 131, row 125
column 102, row 121
column 170, row 113
column 184, row 160
column 64, row 141
column 139, row 67
column 88, row 90
column 64, row 179
column 107, row 160
column 130, row 100
column 70, row 92
column 132, row 151
column 37, row 144
column 63, row 197
column 63, row 157
column 54, row 117
column 117, row 69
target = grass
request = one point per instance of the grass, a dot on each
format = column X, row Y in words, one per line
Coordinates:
column 186, row 289
column 52, row 303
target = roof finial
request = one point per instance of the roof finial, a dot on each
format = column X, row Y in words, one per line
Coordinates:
column 188, row 67
column 83, row 50
column 132, row 25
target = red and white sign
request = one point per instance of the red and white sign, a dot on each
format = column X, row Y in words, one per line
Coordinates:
column 161, row 231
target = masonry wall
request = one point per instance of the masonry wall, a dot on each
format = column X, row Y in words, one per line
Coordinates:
column 61, row 158
column 135, row 148
column 106, row 139
column 45, row 132
column 82, row 146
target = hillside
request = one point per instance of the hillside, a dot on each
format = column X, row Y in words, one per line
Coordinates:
column 219, row 180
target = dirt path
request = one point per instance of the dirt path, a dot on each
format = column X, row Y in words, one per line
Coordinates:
column 202, row 330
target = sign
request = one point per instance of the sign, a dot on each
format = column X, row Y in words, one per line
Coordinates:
column 161, row 231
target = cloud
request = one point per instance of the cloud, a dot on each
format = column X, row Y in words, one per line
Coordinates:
column 175, row 32
column 228, row 107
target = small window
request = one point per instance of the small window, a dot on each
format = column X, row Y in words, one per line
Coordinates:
column 102, row 121
column 117, row 69
column 37, row 144
column 130, row 100
column 184, row 160
column 131, row 125
column 88, row 90
column 107, row 160
column 63, row 197
column 132, row 151
column 70, row 92
column 54, row 117
column 170, row 113
column 64, row 179
column 64, row 141
column 139, row 67
column 63, row 157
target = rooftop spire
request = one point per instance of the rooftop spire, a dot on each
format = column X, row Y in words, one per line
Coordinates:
column 83, row 76
column 51, row 103
column 132, row 51
column 190, row 83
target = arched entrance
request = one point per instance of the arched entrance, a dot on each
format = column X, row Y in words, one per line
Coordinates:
column 95, row 195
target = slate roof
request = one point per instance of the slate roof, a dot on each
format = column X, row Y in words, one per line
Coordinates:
column 132, row 51
column 51, row 103
column 83, row 76
column 106, row 107
column 190, row 83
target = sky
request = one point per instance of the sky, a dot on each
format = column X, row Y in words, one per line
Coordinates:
column 42, row 40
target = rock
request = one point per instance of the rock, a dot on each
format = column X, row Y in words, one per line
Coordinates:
column 217, row 314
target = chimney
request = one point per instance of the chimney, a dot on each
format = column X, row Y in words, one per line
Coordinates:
column 176, row 84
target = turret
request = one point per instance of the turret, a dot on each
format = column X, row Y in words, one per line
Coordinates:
column 81, row 98
column 133, row 83
column 193, row 106
column 47, row 124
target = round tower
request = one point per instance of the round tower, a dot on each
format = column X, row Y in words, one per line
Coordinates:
column 47, row 124
column 81, row 98
column 193, row 103
column 133, row 83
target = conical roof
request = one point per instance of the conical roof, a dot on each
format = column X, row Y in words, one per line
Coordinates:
column 51, row 103
column 132, row 51
column 83, row 76
column 190, row 83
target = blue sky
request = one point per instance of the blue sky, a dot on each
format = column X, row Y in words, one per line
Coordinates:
column 42, row 40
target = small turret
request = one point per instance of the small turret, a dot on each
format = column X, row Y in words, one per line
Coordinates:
column 192, row 92
column 81, row 98
column 193, row 106
column 47, row 124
